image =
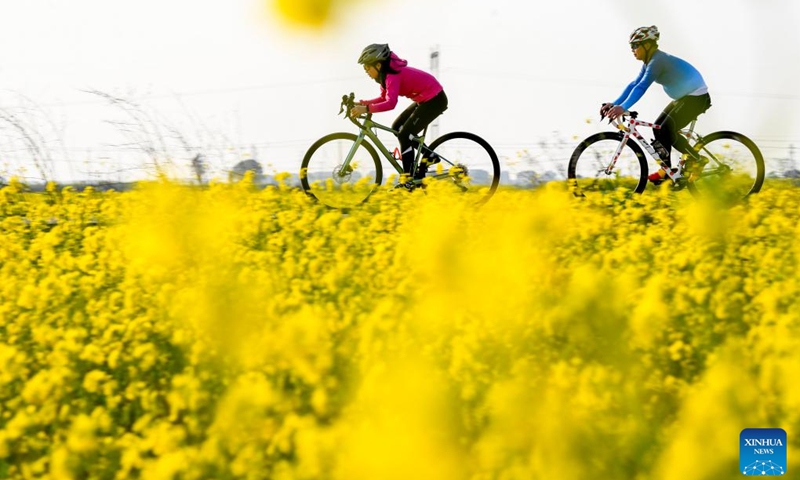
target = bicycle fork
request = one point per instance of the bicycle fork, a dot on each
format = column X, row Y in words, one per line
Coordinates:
column 345, row 169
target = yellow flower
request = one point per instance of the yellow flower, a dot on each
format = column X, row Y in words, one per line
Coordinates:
column 232, row 331
column 93, row 381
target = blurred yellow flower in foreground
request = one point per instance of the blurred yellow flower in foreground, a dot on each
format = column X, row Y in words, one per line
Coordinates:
column 311, row 13
column 235, row 332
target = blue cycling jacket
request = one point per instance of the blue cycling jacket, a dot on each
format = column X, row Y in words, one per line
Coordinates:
column 677, row 76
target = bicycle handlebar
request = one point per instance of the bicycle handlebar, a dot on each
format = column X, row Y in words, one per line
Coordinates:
column 620, row 120
column 348, row 102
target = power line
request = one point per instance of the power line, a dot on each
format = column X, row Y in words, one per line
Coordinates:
column 211, row 91
column 595, row 83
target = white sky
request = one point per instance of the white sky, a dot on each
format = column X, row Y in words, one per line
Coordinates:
column 526, row 75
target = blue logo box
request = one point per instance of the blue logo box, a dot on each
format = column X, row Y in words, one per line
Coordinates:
column 762, row 451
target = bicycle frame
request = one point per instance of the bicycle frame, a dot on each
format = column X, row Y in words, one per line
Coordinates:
column 628, row 129
column 368, row 129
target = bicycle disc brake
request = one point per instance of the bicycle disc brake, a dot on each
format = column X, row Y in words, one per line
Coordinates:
column 342, row 175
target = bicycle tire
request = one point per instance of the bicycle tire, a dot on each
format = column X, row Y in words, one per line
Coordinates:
column 469, row 162
column 590, row 156
column 736, row 159
column 321, row 176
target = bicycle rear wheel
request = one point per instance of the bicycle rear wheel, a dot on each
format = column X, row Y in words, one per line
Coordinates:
column 469, row 162
column 591, row 171
column 735, row 167
column 325, row 178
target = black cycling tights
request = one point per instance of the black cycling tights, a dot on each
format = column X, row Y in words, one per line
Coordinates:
column 677, row 115
column 412, row 121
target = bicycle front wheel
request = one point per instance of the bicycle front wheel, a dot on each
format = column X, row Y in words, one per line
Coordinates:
column 469, row 162
column 735, row 167
column 325, row 177
column 594, row 169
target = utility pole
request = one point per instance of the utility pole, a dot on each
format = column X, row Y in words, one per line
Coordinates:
column 433, row 129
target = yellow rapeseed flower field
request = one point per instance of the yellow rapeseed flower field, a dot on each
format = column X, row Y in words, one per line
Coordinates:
column 234, row 332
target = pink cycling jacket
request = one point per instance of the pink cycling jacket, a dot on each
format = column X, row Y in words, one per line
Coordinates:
column 409, row 82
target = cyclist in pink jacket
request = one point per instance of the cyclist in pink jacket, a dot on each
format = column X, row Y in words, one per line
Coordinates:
column 397, row 79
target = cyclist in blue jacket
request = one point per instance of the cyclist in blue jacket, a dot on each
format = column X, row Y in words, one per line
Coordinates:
column 682, row 82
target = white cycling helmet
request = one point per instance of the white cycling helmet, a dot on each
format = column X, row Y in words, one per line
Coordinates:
column 643, row 34
column 372, row 54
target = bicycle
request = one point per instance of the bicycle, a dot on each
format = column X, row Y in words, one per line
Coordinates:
column 342, row 170
column 609, row 160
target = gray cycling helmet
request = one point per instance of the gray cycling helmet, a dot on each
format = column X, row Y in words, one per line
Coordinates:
column 372, row 54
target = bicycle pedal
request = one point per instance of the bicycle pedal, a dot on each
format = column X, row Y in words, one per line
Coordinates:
column 680, row 183
column 408, row 186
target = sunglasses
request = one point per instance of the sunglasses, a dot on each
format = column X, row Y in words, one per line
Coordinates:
column 635, row 45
